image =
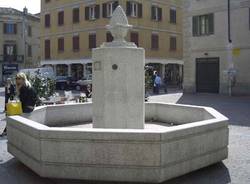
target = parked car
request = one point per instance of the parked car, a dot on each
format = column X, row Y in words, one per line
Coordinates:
column 65, row 83
column 43, row 72
column 83, row 83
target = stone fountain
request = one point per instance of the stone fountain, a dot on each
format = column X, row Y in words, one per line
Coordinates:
column 118, row 137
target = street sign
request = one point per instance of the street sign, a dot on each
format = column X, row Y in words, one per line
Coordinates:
column 9, row 69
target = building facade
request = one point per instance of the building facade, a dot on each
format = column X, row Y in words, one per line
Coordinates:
column 19, row 41
column 216, row 53
column 71, row 29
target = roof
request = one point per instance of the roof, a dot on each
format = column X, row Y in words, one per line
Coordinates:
column 12, row 11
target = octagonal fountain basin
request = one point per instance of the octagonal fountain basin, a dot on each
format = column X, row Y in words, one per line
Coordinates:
column 59, row 142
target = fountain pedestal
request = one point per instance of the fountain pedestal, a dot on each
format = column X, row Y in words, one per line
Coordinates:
column 118, row 80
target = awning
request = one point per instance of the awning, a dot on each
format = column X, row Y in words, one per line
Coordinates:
column 65, row 62
column 88, row 60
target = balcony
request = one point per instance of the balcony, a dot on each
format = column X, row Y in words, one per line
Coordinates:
column 11, row 59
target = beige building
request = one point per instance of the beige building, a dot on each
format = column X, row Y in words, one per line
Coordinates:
column 19, row 41
column 212, row 63
column 70, row 29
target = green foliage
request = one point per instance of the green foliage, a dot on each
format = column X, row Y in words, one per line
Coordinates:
column 44, row 87
column 148, row 80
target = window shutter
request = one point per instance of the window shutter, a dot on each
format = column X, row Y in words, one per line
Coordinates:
column 76, row 15
column 155, row 41
column 128, row 11
column 134, row 37
column 92, row 41
column 60, row 18
column 15, row 50
column 140, row 10
column 116, row 3
column 47, row 49
column 15, row 28
column 47, row 20
column 76, row 45
column 160, row 14
column 195, row 25
column 86, row 13
column 104, row 10
column 5, row 28
column 153, row 13
column 211, row 23
column 5, row 50
column 97, row 11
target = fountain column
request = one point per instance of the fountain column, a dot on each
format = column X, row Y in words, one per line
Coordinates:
column 118, row 79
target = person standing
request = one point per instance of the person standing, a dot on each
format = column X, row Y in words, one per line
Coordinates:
column 157, row 83
column 9, row 91
column 153, row 79
column 165, row 80
column 26, row 93
column 9, row 95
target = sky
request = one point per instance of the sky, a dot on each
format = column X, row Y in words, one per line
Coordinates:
column 32, row 5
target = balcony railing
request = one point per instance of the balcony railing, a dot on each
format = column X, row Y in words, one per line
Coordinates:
column 11, row 59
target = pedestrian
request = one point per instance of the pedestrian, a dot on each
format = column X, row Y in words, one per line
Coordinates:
column 26, row 93
column 153, row 81
column 88, row 91
column 157, row 83
column 165, row 80
column 9, row 91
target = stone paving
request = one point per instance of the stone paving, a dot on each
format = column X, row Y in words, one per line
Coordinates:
column 236, row 169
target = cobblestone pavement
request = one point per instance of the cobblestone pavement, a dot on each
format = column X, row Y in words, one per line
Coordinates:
column 236, row 169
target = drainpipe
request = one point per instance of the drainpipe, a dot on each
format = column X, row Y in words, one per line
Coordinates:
column 230, row 49
column 25, row 11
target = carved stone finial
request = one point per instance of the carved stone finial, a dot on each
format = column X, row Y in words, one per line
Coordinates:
column 119, row 25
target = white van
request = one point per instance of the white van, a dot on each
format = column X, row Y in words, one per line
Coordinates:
column 47, row 72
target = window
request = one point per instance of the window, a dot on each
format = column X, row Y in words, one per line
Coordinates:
column 134, row 9
column 203, row 25
column 92, row 41
column 47, row 20
column 109, row 8
column 173, row 16
column 173, row 43
column 156, row 13
column 134, row 37
column 76, row 43
column 76, row 15
column 109, row 37
column 10, row 49
column 60, row 44
column 155, row 41
column 29, row 31
column 92, row 12
column 47, row 49
column 10, row 28
column 29, row 51
column 60, row 18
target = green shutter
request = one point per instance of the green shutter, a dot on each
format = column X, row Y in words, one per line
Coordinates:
column 140, row 10
column 86, row 13
column 104, row 10
column 195, row 25
column 211, row 23
column 128, row 8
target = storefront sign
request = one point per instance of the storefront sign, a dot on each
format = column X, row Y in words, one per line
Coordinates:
column 9, row 69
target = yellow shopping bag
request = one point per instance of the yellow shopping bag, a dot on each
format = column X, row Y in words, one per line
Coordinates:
column 14, row 108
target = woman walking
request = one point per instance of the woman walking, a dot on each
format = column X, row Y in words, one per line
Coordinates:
column 9, row 91
column 26, row 93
